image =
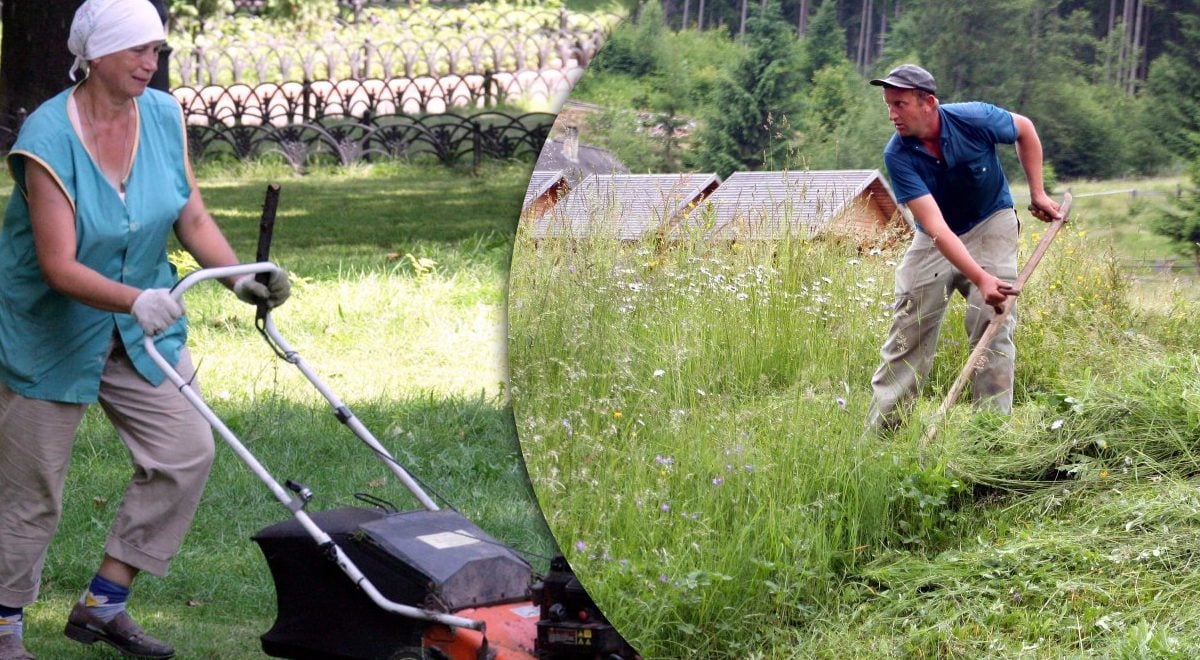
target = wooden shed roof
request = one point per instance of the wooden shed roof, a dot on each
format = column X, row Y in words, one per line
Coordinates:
column 625, row 206
column 541, row 183
column 775, row 204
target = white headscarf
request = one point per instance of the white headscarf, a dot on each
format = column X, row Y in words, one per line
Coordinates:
column 102, row 27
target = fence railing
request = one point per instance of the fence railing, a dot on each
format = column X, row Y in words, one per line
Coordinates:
column 449, row 139
column 341, row 138
column 276, row 60
column 1160, row 267
column 293, row 102
column 422, row 40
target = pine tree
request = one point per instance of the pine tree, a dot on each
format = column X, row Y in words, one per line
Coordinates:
column 748, row 126
column 1182, row 225
column 824, row 44
column 1174, row 89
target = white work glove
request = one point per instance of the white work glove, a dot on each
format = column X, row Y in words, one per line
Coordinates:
column 274, row 292
column 155, row 310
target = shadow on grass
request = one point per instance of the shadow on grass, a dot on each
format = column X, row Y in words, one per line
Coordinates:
column 370, row 218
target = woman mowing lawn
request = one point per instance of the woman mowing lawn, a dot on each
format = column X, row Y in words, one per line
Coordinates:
column 102, row 177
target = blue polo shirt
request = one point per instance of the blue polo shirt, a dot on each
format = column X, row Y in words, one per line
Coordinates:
column 54, row 347
column 967, row 183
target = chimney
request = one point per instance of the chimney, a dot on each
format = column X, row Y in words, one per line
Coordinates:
column 570, row 147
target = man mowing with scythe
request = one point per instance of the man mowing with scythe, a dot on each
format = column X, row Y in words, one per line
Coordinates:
column 944, row 166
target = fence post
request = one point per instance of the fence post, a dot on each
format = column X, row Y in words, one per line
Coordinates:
column 366, row 60
column 477, row 139
column 487, row 88
column 306, row 104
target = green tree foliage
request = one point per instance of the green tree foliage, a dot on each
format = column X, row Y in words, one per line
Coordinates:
column 1036, row 57
column 1174, row 88
column 635, row 49
column 1182, row 225
column 968, row 46
column 661, row 71
column 824, row 44
column 197, row 12
column 1079, row 134
column 667, row 101
column 747, row 126
column 845, row 122
column 302, row 12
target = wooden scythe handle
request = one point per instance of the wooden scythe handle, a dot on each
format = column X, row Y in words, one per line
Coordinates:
column 997, row 322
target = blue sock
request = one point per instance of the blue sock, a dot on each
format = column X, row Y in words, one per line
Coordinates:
column 105, row 598
column 11, row 621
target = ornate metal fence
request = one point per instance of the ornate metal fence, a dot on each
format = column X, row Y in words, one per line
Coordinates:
column 429, row 42
column 449, row 139
column 383, row 100
column 466, row 55
column 291, row 102
column 341, row 138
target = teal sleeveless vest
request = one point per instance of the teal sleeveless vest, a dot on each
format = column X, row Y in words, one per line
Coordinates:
column 52, row 346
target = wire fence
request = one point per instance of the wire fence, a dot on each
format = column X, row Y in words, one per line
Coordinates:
column 1160, row 269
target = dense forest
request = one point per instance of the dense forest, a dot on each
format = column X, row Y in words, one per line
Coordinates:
column 1131, row 33
column 1111, row 85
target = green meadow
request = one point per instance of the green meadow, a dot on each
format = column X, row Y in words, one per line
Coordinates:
column 691, row 415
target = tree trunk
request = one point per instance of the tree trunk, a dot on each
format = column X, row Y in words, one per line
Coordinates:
column 883, row 30
column 1126, row 39
column 33, row 54
column 687, row 5
column 862, row 53
column 742, row 28
column 1112, row 24
column 700, row 16
column 1136, row 47
column 802, row 19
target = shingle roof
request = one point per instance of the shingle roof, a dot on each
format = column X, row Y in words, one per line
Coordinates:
column 775, row 204
column 624, row 206
column 588, row 160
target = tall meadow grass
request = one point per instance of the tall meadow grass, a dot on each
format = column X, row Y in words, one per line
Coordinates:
column 691, row 419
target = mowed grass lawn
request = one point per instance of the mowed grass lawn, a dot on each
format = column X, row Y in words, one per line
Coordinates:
column 400, row 275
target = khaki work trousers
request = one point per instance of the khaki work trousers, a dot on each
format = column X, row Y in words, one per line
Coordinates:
column 925, row 282
column 171, row 447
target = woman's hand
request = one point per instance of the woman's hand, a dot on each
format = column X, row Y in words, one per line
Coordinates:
column 273, row 293
column 155, row 310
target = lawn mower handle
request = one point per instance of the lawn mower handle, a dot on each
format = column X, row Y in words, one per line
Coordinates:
column 284, row 350
column 294, row 503
column 197, row 276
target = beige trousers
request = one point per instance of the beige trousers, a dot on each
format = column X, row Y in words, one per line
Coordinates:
column 170, row 445
column 925, row 282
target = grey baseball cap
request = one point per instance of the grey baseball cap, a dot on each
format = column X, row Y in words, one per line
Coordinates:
column 908, row 76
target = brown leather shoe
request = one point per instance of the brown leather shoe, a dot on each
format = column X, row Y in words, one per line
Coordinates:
column 121, row 633
column 11, row 648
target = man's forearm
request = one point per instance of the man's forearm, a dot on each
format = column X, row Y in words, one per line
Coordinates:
column 1029, row 152
column 944, row 239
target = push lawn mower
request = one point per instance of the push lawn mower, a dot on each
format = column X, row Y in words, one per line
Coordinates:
column 379, row 583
